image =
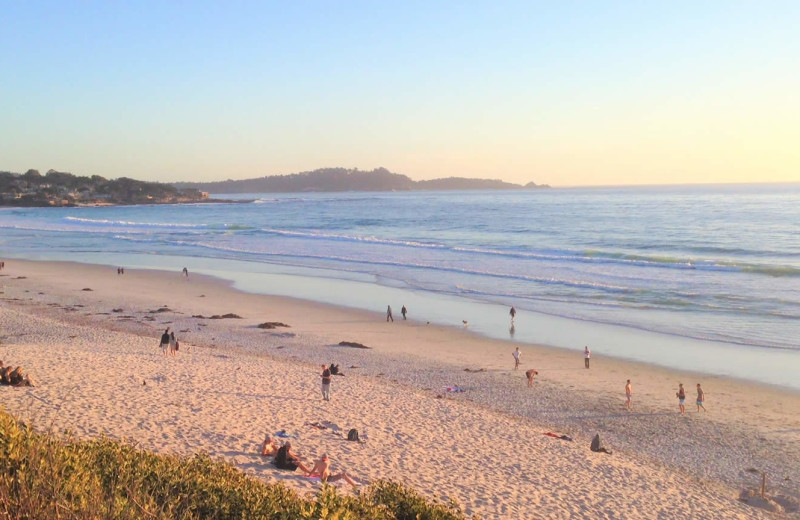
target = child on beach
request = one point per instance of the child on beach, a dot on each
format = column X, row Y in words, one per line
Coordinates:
column 516, row 358
column 587, row 354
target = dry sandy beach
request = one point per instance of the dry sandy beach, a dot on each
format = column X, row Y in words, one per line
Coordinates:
column 95, row 356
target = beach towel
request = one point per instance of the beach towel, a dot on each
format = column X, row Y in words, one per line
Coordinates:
column 557, row 436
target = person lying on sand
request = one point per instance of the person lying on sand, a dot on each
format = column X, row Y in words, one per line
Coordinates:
column 15, row 377
column 321, row 469
column 285, row 459
column 269, row 447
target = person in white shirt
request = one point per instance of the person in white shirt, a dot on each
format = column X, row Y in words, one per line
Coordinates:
column 516, row 354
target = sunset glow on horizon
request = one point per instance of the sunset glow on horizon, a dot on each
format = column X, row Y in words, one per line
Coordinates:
column 568, row 95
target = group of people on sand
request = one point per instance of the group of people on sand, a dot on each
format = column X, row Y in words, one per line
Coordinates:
column 681, row 395
column 587, row 354
column 14, row 376
column 389, row 316
column 169, row 344
column 286, row 459
column 120, row 270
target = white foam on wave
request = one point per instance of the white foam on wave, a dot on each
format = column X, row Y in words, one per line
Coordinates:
column 105, row 222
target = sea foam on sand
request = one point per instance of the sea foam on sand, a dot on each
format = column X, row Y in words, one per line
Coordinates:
column 95, row 356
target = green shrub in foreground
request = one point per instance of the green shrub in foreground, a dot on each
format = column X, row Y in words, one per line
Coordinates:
column 44, row 477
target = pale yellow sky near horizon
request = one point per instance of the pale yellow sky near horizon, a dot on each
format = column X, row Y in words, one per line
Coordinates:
column 606, row 93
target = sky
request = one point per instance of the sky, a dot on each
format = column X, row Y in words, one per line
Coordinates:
column 562, row 93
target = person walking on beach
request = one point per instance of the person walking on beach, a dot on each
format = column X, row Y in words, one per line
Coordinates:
column 681, row 395
column 516, row 354
column 165, row 341
column 326, row 383
column 628, row 393
column 587, row 354
column 529, row 374
column 389, row 313
column 173, row 344
column 185, row 272
column 512, row 312
column 404, row 311
column 701, row 397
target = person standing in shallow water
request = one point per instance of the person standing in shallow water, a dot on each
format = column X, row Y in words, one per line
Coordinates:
column 389, row 313
column 513, row 313
column 587, row 354
column 404, row 311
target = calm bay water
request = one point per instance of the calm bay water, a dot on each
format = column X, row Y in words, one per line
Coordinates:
column 714, row 267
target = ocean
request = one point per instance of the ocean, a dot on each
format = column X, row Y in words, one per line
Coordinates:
column 703, row 278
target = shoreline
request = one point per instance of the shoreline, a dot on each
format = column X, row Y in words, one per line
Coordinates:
column 749, row 424
column 705, row 358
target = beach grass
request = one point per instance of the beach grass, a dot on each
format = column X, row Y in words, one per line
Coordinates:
column 47, row 476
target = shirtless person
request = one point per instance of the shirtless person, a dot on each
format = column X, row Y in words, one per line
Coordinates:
column 321, row 469
column 628, row 392
column 701, row 397
column 529, row 374
column 269, row 446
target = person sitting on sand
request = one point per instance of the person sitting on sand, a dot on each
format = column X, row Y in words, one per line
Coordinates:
column 597, row 446
column 4, row 373
column 15, row 377
column 285, row 459
column 321, row 469
column 529, row 374
column 269, row 447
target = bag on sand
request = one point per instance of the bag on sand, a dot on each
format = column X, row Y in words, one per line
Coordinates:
column 352, row 435
column 597, row 447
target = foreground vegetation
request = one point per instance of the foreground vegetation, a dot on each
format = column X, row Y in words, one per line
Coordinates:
column 43, row 477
